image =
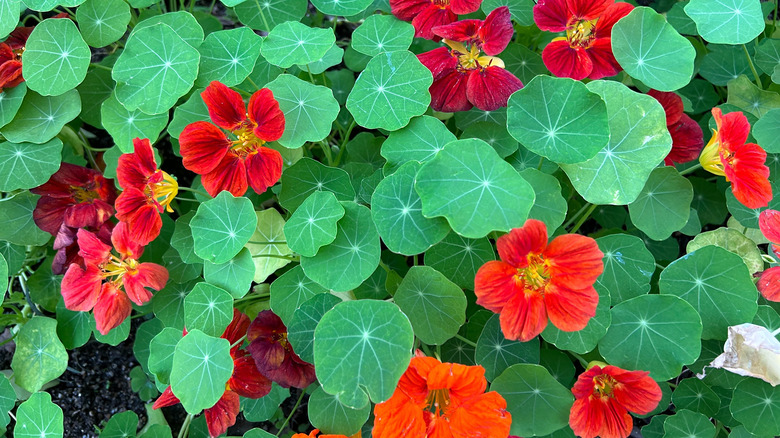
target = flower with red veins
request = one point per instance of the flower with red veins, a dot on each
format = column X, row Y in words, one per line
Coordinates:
column 586, row 50
column 246, row 381
column 604, row 396
column 76, row 197
column 427, row 14
column 273, row 354
column 11, row 51
column 435, row 399
column 108, row 282
column 769, row 280
column 148, row 192
column 743, row 164
column 535, row 281
column 315, row 434
column 462, row 76
column 235, row 164
column 687, row 136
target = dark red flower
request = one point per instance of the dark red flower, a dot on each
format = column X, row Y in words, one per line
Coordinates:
column 67, row 247
column 427, row 14
column 462, row 76
column 586, row 50
column 687, row 136
column 234, row 165
column 273, row 354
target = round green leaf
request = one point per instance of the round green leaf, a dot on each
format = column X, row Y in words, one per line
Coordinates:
column 474, row 189
column 161, row 351
column 391, row 90
column 125, row 125
column 40, row 118
column 103, row 21
column 585, row 340
column 228, row 56
column 695, row 395
column 143, row 338
column 628, row 266
column 493, row 134
column 717, row 284
column 40, row 356
column 184, row 24
column 73, row 328
column 293, row 43
column 10, row 101
column 731, row 240
column 727, row 21
column 639, row 140
column 341, row 7
column 459, row 258
column 114, row 337
column 361, row 350
column 168, row 304
column 208, row 309
column 649, row 49
column 9, row 16
column 701, row 94
column 313, row 224
column 382, row 33
column 532, row 394
column 182, row 240
column 767, row 131
column 18, row 225
column 353, row 255
column 266, row 15
column 290, row 291
column 397, row 213
column 655, row 333
column 550, row 206
column 38, row 417
column 94, row 90
column 308, row 176
column 305, row 317
column 722, row 64
column 663, row 205
column 263, row 408
column 56, row 58
column 330, row 416
column 332, row 57
column 28, row 165
column 222, row 226
column 268, row 240
column 756, row 404
column 155, row 69
column 746, row 96
column 420, row 140
column 235, row 276
column 201, row 367
column 558, row 118
column 496, row 353
column 688, row 424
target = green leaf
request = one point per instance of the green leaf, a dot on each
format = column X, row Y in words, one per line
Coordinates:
column 290, row 291
column 474, row 189
column 168, row 304
column 767, row 131
column 10, row 101
column 522, row 62
column 56, row 58
column 193, row 110
column 688, row 424
column 121, row 425
column 695, row 395
column 125, row 125
column 344, row 337
column 235, row 276
column 731, row 240
column 308, row 176
column 161, row 351
column 420, row 140
column 655, row 333
column 680, row 21
column 558, row 118
column 528, row 389
column 222, row 226
column 628, row 266
column 208, row 309
column 73, row 328
column 228, row 56
column 768, row 55
column 155, row 69
column 332, row 57
column 718, row 286
column 708, row 201
column 701, row 94
column 270, row 231
column 649, row 49
column 330, row 416
column 585, row 340
column 293, row 43
column 38, row 417
column 94, row 90
column 459, row 258
column 304, row 320
column 184, row 24
column 382, row 33
column 397, row 212
column 268, row 14
column 116, row 336
column 143, row 338
column 723, row 63
column 9, row 16
column 40, row 356
column 263, row 408
column 639, row 140
column 3, row 274
column 341, row 7
column 391, row 90
column 496, row 353
column 745, row 95
column 309, row 110
column 727, row 21
column 756, row 404
column 16, row 216
column 182, row 240
column 550, row 206
column 201, row 367
column 353, row 255
column 663, row 205
column 493, row 134
column 7, row 400
column 313, row 224
column 28, row 165
column 103, row 21
column 521, row 10
column 40, row 118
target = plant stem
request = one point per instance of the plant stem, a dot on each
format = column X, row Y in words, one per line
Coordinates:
column 262, row 15
column 238, row 342
column 326, row 150
column 582, row 360
column 252, row 82
column 752, row 67
column 583, row 218
column 185, row 427
column 344, row 142
column 576, row 215
column 274, row 256
column 465, row 340
column 189, row 189
column 258, row 242
column 295, row 408
column 23, row 283
column 691, row 169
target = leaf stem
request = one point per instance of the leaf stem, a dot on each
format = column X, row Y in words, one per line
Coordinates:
column 465, row 340
column 92, row 64
column 295, row 408
column 344, row 142
column 752, row 67
column 691, row 169
column 582, row 360
column 23, row 282
column 583, row 218
column 262, row 15
column 260, row 242
column 238, row 342
column 275, row 256
column 199, row 192
column 326, row 150
column 185, row 427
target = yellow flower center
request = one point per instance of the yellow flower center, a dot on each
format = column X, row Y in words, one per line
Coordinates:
column 438, row 400
column 164, row 191
column 710, row 156
column 469, row 58
column 581, row 33
column 81, row 194
column 246, row 142
column 441, row 3
column 536, row 275
column 603, row 385
column 117, row 268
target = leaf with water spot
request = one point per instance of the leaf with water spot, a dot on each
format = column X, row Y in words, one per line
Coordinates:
column 208, row 309
column 201, row 367
column 40, row 356
column 222, row 226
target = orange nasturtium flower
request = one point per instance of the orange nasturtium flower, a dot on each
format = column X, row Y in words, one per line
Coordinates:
column 435, row 399
column 742, row 164
column 313, row 434
column 603, row 398
column 535, row 280
column 769, row 281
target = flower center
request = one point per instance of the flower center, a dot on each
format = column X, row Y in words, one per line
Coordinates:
column 603, row 385
column 438, row 400
column 712, row 156
column 83, row 194
column 246, row 142
column 117, row 267
column 441, row 3
column 535, row 274
column 470, row 57
column 163, row 192
column 581, row 33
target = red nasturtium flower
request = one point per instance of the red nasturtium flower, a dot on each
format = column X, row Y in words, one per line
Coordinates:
column 535, row 280
column 586, row 50
column 462, row 76
column 435, row 399
column 246, row 381
column 11, row 51
column 108, row 282
column 273, row 354
column 67, row 247
column 234, row 165
column 687, row 136
column 769, row 281
column 605, row 395
column 148, row 192
column 743, row 164
column 427, row 14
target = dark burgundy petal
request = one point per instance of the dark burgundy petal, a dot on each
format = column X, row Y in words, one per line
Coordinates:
column 448, row 92
column 226, row 107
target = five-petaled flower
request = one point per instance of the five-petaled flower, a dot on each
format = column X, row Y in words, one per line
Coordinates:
column 586, row 50
column 427, row 14
column 235, row 164
column 743, row 164
column 462, row 76
column 246, row 381
column 687, row 136
column 605, row 395
column 148, row 192
column 534, row 281
column 435, row 399
column 108, row 282
column 769, row 281
column 273, row 354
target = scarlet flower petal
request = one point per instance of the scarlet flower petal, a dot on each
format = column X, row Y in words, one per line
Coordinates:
column 592, row 417
column 439, row 61
column 495, row 284
column 489, row 88
column 448, row 92
column 247, row 381
column 202, row 147
column 406, row 10
column 769, row 284
column 223, row 414
column 523, row 317
column 93, row 250
column 10, row 74
column 587, row 9
column 134, row 170
column 461, row 30
column 80, row 288
column 611, row 16
column 147, row 275
column 430, row 17
column 749, row 176
column 733, row 128
column 264, row 111
column 514, row 247
column 236, row 329
column 229, row 175
column 604, row 62
column 769, row 222
column 166, row 399
column 111, row 309
column 687, row 141
column 672, row 104
column 124, row 243
column 264, row 169
column 496, row 32
column 574, row 260
column 226, row 107
column 483, row 416
column 566, row 62
column 142, row 219
column 635, row 391
column 551, row 15
column 462, row 7
column 570, row 310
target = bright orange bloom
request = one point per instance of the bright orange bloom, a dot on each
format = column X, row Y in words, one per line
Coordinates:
column 742, row 164
column 435, row 399
column 605, row 395
column 313, row 434
column 769, row 282
column 534, row 281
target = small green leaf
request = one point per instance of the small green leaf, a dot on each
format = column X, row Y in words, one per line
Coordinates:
column 103, row 21
column 208, row 309
column 290, row 291
column 268, row 14
column 193, row 110
column 756, row 404
column 9, row 16
column 56, row 58
column 313, row 224
column 143, row 338
column 121, row 425
column 330, row 416
column 727, row 21
column 731, row 240
column 7, row 400
column 234, row 276
column 522, row 61
column 263, row 408
column 268, row 240
column 116, row 336
column 688, row 424
column 723, row 63
column 420, row 140
column 125, row 125
column 332, row 57
column 201, row 367
column 701, row 94
column 184, row 24
column 305, row 317
column 28, row 165
column 308, row 176
column 38, row 417
column 228, row 56
column 161, row 351
column 182, row 240
column 767, row 131
column 382, row 33
column 73, row 328
column 745, row 95
column 168, row 304
column 10, row 101
column 40, row 118
column 94, row 90
column 17, row 219
column 628, row 266
column 680, row 21
column 768, row 55
column 663, row 205
column 695, row 395
column 459, row 258
column 40, row 356
column 222, row 226
column 344, row 8
column 549, row 206
column 496, row 353
column 3, row 274
column 293, row 43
